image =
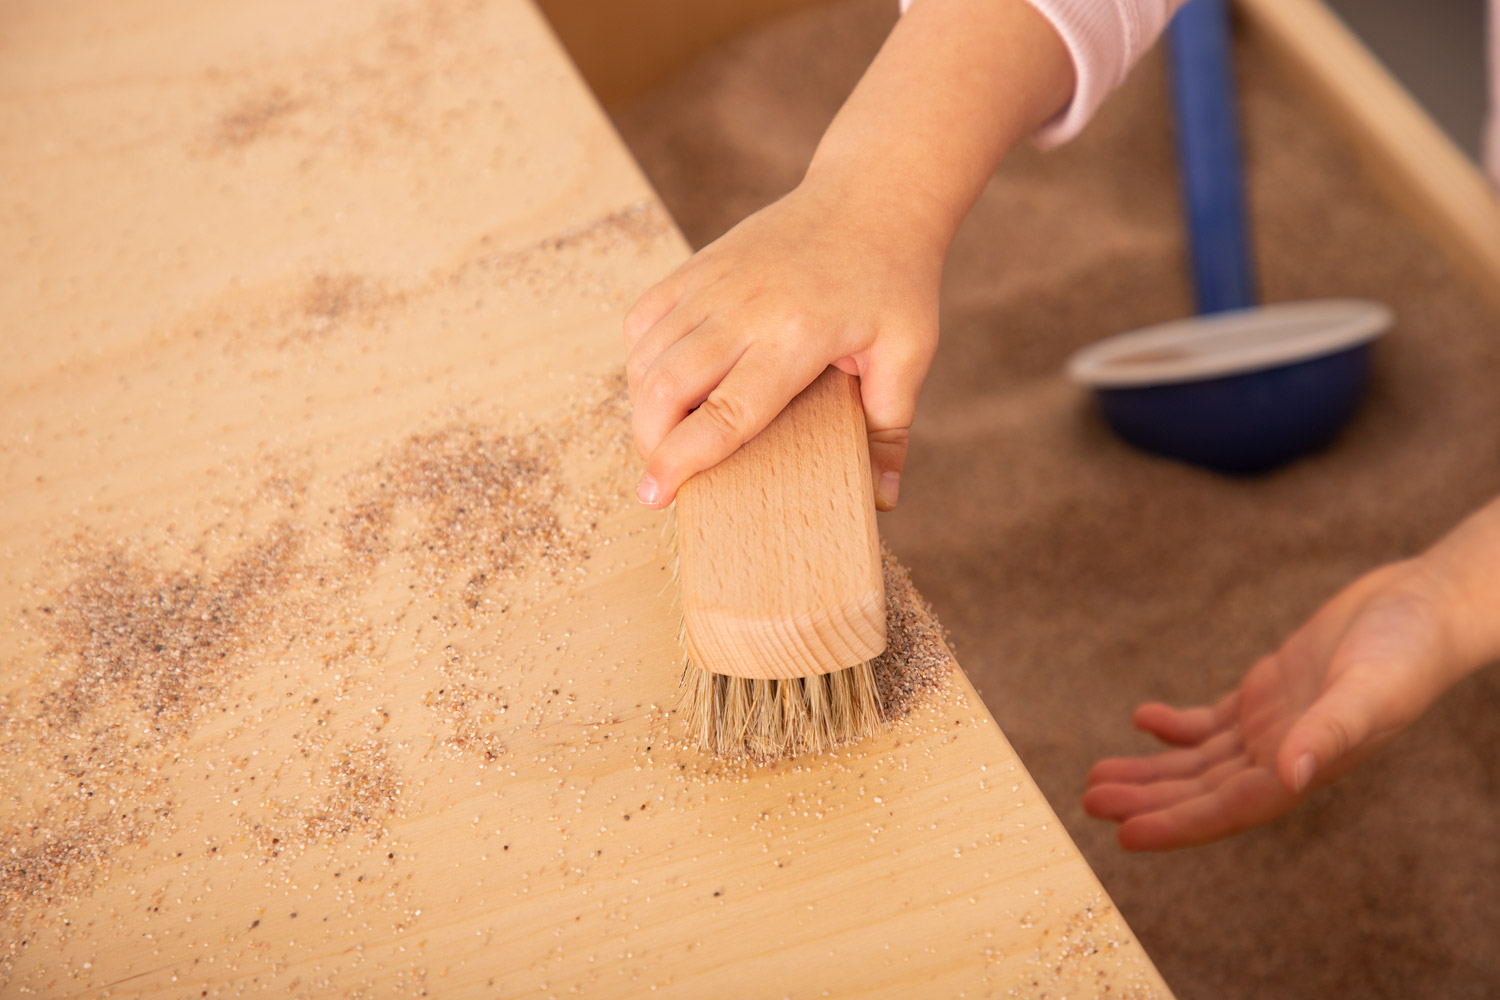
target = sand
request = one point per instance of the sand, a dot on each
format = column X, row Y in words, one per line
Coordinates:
column 1079, row 578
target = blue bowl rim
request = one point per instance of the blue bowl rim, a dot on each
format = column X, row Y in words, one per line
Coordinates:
column 1199, row 348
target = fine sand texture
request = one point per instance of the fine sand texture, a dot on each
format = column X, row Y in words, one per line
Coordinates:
column 336, row 657
column 1080, row 578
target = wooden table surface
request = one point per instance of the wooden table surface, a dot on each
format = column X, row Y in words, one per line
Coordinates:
column 336, row 659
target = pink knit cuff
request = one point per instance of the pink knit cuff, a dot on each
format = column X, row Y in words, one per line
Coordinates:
column 1105, row 39
column 1492, row 126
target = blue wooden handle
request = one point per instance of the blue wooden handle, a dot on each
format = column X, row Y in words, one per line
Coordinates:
column 1208, row 150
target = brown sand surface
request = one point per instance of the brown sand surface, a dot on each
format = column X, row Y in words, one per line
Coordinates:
column 1080, row 578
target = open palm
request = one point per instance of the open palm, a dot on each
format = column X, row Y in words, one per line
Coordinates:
column 1357, row 673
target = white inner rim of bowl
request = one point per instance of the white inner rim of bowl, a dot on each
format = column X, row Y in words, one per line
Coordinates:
column 1230, row 343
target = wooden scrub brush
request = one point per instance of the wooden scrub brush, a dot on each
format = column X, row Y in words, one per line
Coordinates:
column 783, row 597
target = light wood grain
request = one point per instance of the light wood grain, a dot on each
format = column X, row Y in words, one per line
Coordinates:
column 1418, row 166
column 778, row 553
column 333, row 650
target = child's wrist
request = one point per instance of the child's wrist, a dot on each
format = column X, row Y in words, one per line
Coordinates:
column 1464, row 566
column 880, row 202
column 1467, row 613
column 1476, row 626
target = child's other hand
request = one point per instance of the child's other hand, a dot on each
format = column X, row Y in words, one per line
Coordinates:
column 1361, row 670
column 717, row 349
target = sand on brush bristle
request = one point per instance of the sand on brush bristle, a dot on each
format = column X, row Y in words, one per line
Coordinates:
column 771, row 720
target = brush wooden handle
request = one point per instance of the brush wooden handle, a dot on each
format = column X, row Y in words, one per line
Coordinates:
column 777, row 548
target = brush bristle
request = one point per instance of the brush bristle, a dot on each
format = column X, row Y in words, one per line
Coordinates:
column 769, row 720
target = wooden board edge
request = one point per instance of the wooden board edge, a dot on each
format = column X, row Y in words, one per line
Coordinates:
column 963, row 687
column 1417, row 166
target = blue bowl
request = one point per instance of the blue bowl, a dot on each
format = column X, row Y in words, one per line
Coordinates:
column 1241, row 392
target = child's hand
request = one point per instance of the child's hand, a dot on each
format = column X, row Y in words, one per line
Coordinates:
column 1361, row 670
column 845, row 269
column 717, row 349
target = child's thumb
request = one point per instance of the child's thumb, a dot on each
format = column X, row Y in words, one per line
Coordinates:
column 1382, row 672
column 888, row 389
column 1341, row 722
column 1334, row 725
column 887, row 459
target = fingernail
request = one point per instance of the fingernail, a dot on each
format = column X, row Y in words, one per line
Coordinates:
column 647, row 492
column 888, row 489
column 1302, row 774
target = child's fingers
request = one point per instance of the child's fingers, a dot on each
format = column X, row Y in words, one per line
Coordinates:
column 683, row 377
column 657, row 301
column 655, row 388
column 1186, row 727
column 1135, row 770
column 673, row 326
column 1185, row 763
column 738, row 408
column 1250, row 798
column 1120, row 802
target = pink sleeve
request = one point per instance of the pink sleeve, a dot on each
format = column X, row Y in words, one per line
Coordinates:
column 1105, row 39
column 1492, row 136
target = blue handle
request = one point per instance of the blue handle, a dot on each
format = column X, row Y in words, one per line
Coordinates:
column 1208, row 151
